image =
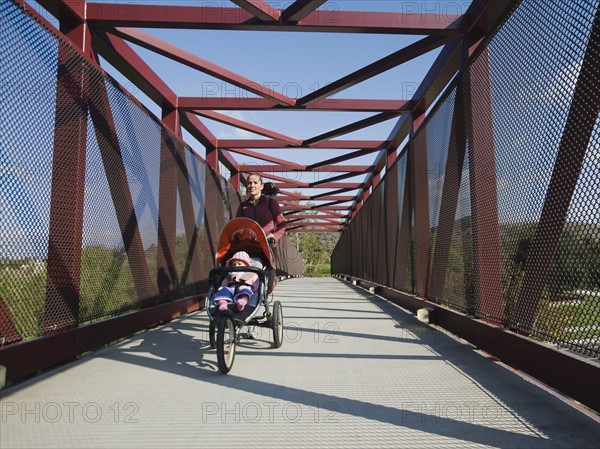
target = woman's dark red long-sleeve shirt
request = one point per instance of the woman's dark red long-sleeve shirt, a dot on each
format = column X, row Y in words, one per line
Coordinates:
column 266, row 213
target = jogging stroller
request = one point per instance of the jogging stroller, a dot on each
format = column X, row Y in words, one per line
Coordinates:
column 242, row 234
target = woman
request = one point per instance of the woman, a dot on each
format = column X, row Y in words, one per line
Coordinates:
column 266, row 212
column 263, row 209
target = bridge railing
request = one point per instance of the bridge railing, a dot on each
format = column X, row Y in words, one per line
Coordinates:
column 109, row 222
column 493, row 207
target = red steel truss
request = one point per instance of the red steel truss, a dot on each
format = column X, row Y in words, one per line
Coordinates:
column 108, row 30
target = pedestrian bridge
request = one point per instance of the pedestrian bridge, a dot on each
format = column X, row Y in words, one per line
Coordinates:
column 476, row 206
column 354, row 371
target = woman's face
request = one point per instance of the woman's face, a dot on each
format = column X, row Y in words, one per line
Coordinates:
column 255, row 186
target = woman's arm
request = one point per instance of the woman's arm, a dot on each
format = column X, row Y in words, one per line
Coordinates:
column 278, row 220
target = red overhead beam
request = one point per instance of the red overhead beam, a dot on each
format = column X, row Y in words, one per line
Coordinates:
column 341, row 185
column 336, row 178
column 314, row 227
column 336, row 198
column 294, row 208
column 228, row 160
column 222, row 118
column 332, row 205
column 310, row 224
column 216, row 18
column 344, row 157
column 483, row 14
column 122, row 57
column 298, row 196
column 300, row 9
column 245, row 103
column 198, row 130
column 228, row 103
column 285, row 182
column 66, row 10
column 382, row 65
column 330, row 144
column 284, row 165
column 323, row 207
column 189, row 59
column 335, row 192
column 313, row 230
column 357, row 105
column 349, row 144
column 259, row 9
column 332, row 185
column 364, row 123
column 295, row 215
column 316, row 223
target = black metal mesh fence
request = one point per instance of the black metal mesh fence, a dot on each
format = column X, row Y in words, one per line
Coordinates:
column 513, row 185
column 103, row 210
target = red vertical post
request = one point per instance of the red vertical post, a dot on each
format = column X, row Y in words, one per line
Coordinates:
column 353, row 211
column 212, row 158
column 61, row 309
column 214, row 211
column 390, row 158
column 166, row 274
column 484, row 193
column 74, row 26
column 420, row 196
column 391, row 215
column 406, row 258
column 392, row 223
column 235, row 180
column 376, row 178
column 170, row 119
column 417, row 119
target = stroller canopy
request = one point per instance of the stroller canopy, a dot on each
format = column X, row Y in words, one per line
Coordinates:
column 243, row 234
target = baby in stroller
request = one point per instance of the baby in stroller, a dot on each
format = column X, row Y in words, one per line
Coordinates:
column 237, row 286
column 238, row 283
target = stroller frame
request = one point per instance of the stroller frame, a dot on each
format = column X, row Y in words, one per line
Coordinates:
column 224, row 326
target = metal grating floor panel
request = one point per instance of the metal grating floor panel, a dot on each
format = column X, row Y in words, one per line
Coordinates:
column 353, row 371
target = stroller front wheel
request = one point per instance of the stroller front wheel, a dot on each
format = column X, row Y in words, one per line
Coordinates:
column 277, row 324
column 226, row 343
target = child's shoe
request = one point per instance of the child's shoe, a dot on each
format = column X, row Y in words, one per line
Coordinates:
column 241, row 303
column 222, row 305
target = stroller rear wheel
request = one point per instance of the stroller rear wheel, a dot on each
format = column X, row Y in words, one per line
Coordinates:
column 277, row 324
column 226, row 343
